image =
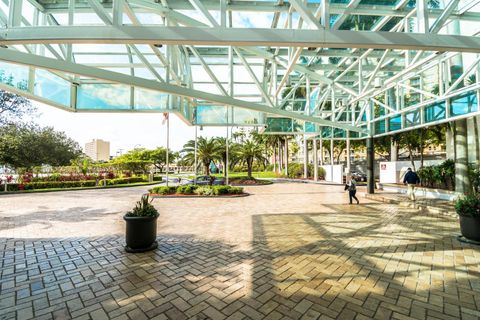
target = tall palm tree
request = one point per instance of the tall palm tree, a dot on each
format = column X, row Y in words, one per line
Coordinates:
column 249, row 152
column 207, row 151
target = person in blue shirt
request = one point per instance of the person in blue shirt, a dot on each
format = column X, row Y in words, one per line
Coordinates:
column 411, row 179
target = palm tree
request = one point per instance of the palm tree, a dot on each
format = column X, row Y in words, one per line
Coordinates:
column 207, row 151
column 249, row 152
column 222, row 149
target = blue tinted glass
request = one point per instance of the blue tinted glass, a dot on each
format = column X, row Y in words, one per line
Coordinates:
column 464, row 104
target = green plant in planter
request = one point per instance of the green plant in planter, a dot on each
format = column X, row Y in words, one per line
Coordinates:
column 468, row 205
column 143, row 208
column 468, row 209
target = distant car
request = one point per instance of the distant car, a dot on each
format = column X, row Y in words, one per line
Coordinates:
column 204, row 181
column 359, row 176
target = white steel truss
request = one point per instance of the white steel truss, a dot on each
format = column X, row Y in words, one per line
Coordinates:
column 296, row 67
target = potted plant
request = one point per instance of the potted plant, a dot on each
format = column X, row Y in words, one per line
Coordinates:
column 468, row 209
column 141, row 231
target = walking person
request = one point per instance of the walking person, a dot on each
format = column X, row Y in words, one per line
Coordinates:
column 411, row 179
column 351, row 186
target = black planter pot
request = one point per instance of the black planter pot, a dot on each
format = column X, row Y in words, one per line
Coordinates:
column 470, row 228
column 141, row 234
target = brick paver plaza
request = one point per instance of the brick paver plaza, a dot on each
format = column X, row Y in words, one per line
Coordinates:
column 288, row 251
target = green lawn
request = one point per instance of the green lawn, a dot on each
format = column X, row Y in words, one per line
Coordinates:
column 259, row 174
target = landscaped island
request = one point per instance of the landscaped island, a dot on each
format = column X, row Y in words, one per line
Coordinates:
column 196, row 190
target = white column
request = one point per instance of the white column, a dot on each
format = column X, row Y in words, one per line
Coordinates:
column 315, row 160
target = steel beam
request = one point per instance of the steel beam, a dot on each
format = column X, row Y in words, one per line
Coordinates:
column 239, row 37
column 113, row 77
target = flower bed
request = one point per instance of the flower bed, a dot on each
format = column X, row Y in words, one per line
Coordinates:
column 195, row 190
column 244, row 180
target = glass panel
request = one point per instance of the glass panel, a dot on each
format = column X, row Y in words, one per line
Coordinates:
column 278, row 125
column 244, row 116
column 380, row 126
column 150, row 100
column 412, row 118
column 464, row 104
column 14, row 75
column 103, row 97
column 339, row 133
column 52, row 87
column 435, row 112
column 211, row 115
column 395, row 123
column 310, row 127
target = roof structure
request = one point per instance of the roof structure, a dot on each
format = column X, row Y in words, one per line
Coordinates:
column 338, row 68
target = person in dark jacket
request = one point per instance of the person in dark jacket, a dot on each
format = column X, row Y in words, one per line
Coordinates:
column 352, row 190
column 411, row 179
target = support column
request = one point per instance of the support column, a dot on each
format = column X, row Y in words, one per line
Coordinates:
column 286, row 156
column 305, row 157
column 450, row 141
column 370, row 166
column 321, row 151
column 349, row 165
column 315, row 160
column 462, row 181
column 393, row 150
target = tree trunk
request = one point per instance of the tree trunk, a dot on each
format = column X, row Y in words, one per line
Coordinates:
column 207, row 169
column 274, row 158
column 249, row 169
column 410, row 155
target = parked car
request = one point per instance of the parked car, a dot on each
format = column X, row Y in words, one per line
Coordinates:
column 204, row 180
column 359, row 176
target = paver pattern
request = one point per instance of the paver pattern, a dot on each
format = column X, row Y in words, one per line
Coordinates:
column 288, row 251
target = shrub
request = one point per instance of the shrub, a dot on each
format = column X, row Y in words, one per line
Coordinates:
column 143, row 208
column 125, row 180
column 163, row 190
column 296, row 170
column 189, row 189
column 219, row 190
column 474, row 175
column 468, row 205
column 157, row 178
column 321, row 173
column 204, row 191
column 10, row 187
column 439, row 176
column 236, row 190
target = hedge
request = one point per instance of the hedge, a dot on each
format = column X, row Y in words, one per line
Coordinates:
column 68, row 184
column 125, row 180
column 58, row 184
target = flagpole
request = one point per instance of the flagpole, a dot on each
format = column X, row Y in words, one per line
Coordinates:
column 196, row 146
column 168, row 145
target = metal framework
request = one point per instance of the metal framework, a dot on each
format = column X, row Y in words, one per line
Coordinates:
column 334, row 68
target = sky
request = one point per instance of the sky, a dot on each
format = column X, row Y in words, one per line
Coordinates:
column 125, row 131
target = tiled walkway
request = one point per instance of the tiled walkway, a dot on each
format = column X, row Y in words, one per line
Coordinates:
column 288, row 251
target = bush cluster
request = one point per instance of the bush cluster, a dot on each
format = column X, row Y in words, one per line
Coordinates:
column 296, row 170
column 198, row 190
column 439, row 176
column 164, row 190
column 468, row 205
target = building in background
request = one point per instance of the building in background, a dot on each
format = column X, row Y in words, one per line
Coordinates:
column 98, row 150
